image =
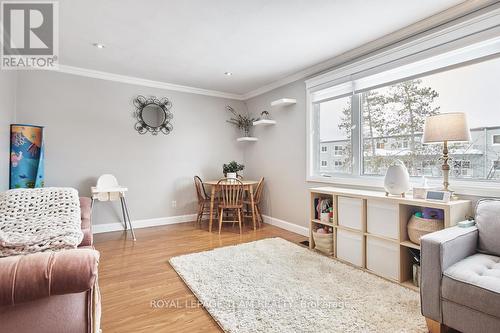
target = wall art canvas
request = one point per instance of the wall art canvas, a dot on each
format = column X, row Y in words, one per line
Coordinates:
column 26, row 156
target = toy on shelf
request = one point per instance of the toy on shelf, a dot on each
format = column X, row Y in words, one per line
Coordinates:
column 323, row 207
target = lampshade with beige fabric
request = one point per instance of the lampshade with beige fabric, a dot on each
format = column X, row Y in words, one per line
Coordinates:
column 451, row 127
column 444, row 128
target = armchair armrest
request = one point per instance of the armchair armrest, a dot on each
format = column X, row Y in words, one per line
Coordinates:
column 34, row 276
column 440, row 250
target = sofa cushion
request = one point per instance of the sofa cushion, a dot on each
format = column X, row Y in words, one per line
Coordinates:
column 488, row 224
column 475, row 283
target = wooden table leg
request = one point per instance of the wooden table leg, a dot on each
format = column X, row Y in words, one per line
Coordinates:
column 212, row 198
column 253, row 206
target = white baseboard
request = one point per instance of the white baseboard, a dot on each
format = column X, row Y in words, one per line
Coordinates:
column 137, row 224
column 298, row 229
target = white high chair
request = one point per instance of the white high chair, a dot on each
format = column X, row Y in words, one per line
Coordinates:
column 107, row 189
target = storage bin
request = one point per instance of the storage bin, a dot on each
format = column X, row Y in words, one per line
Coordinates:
column 382, row 218
column 418, row 227
column 323, row 242
column 350, row 212
column 382, row 257
column 350, row 247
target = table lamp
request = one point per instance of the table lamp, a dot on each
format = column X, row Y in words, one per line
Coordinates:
column 444, row 128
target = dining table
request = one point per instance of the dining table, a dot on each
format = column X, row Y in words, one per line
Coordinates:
column 248, row 185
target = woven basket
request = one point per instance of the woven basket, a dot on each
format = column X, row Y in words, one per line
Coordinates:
column 323, row 242
column 418, row 226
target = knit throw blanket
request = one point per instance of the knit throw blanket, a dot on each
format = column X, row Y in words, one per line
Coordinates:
column 36, row 220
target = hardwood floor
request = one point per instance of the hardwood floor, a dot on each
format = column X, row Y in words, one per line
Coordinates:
column 142, row 293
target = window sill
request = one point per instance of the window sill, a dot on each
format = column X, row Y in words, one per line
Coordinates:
column 468, row 188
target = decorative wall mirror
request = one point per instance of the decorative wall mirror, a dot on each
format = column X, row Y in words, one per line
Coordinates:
column 153, row 115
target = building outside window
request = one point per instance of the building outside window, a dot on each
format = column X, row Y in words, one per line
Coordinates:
column 334, row 136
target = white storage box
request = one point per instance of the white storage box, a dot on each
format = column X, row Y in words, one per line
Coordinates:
column 382, row 218
column 350, row 212
column 350, row 247
column 382, row 257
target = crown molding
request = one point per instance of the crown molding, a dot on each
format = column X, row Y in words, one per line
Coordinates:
column 474, row 9
column 144, row 82
column 461, row 11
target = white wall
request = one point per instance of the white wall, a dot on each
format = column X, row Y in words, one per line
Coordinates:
column 8, row 80
column 90, row 131
column 280, row 154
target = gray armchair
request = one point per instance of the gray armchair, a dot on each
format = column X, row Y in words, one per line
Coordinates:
column 460, row 282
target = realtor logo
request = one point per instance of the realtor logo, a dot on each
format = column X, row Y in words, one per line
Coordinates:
column 29, row 35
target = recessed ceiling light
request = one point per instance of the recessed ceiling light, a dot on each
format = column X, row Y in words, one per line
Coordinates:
column 228, row 73
column 99, row 45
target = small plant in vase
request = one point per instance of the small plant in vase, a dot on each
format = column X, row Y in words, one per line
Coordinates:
column 231, row 169
column 242, row 122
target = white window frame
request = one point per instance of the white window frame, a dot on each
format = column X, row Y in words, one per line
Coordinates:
column 464, row 42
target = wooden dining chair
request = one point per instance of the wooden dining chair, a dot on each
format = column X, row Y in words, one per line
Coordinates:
column 230, row 192
column 257, row 197
column 203, row 200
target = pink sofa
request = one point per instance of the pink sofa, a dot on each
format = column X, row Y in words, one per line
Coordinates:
column 52, row 291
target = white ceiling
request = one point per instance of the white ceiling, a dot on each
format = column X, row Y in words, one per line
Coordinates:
column 193, row 42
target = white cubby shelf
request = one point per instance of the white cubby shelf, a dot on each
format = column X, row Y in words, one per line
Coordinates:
column 370, row 229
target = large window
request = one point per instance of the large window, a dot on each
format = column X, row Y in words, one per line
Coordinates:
column 369, row 128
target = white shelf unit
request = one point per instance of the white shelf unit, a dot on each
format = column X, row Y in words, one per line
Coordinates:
column 370, row 230
column 247, row 139
column 284, row 102
column 264, row 122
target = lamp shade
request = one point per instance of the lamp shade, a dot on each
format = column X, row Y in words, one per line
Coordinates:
column 451, row 127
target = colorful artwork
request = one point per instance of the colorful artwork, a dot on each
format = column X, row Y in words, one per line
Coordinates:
column 26, row 156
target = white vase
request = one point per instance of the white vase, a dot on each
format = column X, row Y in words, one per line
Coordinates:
column 232, row 175
column 397, row 179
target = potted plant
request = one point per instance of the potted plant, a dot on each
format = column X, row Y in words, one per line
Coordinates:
column 231, row 169
column 242, row 122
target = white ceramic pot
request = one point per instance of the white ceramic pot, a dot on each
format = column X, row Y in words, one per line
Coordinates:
column 397, row 179
column 232, row 175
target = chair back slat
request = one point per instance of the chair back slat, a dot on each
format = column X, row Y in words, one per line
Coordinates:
column 230, row 192
column 200, row 191
column 258, row 191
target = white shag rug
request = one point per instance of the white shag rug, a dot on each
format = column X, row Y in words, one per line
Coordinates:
column 273, row 285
